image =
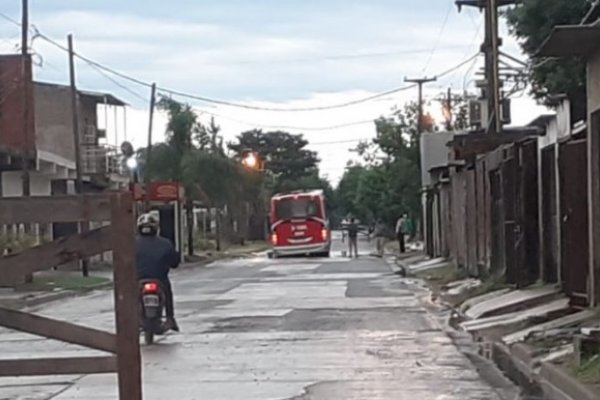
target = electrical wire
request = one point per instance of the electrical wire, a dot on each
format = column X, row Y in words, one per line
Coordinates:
column 437, row 41
column 205, row 99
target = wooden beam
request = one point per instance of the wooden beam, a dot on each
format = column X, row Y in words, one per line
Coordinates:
column 59, row 330
column 71, row 248
column 58, row 366
column 126, row 297
column 49, row 209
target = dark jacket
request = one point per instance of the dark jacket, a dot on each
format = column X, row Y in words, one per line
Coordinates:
column 154, row 257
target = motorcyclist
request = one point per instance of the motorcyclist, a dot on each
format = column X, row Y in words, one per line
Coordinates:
column 155, row 256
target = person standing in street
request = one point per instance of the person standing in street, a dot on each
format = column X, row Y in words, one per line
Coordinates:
column 402, row 229
column 379, row 234
column 352, row 229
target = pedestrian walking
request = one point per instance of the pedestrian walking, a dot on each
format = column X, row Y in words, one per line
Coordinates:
column 379, row 234
column 402, row 229
column 352, row 228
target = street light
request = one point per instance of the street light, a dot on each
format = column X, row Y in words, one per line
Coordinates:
column 251, row 160
column 132, row 163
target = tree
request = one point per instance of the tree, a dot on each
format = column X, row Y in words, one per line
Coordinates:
column 389, row 182
column 286, row 158
column 531, row 22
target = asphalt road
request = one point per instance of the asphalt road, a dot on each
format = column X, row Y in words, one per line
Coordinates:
column 304, row 328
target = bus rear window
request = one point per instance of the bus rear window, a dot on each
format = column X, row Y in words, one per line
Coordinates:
column 296, row 208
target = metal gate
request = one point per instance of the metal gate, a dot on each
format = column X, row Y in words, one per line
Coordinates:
column 574, row 217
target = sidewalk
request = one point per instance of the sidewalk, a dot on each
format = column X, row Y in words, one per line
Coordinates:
column 53, row 285
column 50, row 286
column 527, row 333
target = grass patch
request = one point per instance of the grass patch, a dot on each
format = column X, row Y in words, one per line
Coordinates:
column 249, row 247
column 62, row 282
column 589, row 371
column 440, row 276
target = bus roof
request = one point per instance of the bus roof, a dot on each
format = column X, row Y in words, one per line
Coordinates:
column 317, row 192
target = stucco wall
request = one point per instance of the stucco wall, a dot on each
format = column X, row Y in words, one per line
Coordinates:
column 54, row 120
column 11, row 184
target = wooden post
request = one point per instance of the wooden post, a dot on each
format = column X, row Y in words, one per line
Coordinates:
column 593, row 145
column 149, row 148
column 126, row 297
column 84, row 225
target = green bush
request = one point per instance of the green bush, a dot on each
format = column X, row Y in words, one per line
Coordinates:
column 16, row 243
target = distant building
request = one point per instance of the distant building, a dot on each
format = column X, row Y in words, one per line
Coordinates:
column 48, row 137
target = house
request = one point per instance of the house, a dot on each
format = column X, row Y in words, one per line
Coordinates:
column 44, row 137
column 49, row 135
column 583, row 41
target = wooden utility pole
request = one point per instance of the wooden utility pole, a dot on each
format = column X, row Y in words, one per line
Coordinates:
column 25, row 76
column 420, row 82
column 26, row 112
column 491, row 49
column 449, row 126
column 149, row 148
column 75, row 118
column 84, row 225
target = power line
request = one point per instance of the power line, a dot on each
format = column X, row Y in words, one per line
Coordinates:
column 437, row 41
column 239, row 105
column 347, row 56
column 173, row 92
column 119, row 84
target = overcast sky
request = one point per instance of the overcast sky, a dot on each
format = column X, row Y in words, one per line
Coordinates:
column 273, row 53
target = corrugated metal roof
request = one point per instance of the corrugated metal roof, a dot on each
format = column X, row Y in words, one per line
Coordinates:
column 100, row 97
column 571, row 41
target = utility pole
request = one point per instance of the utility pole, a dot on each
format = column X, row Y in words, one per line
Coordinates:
column 83, row 226
column 420, row 82
column 491, row 49
column 26, row 112
column 149, row 148
column 449, row 115
column 25, row 76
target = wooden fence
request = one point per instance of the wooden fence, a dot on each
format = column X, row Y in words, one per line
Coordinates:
column 122, row 347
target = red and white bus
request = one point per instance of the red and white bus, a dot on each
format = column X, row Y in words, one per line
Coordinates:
column 299, row 224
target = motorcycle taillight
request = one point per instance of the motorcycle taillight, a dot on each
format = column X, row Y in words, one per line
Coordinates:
column 151, row 287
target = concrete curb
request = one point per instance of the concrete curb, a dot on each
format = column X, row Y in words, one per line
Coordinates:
column 557, row 384
column 546, row 381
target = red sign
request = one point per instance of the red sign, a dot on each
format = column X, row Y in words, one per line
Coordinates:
column 159, row 191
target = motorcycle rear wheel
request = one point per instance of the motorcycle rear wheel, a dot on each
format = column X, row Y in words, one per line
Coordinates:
column 148, row 337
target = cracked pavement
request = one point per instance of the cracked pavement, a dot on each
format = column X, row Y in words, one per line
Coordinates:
column 302, row 329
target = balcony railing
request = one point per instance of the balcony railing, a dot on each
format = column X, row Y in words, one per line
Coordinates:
column 101, row 160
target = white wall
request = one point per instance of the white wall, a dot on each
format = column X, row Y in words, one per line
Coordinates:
column 434, row 153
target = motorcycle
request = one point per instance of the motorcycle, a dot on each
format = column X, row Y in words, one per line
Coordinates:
column 152, row 304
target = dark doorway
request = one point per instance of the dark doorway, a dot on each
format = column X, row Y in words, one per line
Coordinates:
column 497, row 222
column 511, row 227
column 167, row 222
column 549, row 215
column 527, row 246
column 574, row 217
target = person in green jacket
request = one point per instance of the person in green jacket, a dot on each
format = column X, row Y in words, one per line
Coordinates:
column 403, row 228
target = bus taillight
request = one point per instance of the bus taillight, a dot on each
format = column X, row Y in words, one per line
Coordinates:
column 274, row 238
column 324, row 234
